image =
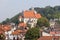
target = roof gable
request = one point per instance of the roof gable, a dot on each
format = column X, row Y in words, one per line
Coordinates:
column 31, row 14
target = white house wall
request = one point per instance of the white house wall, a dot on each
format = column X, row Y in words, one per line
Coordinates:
column 26, row 20
column 20, row 19
column 46, row 34
column 32, row 21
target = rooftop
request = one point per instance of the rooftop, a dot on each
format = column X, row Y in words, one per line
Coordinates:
column 30, row 14
column 49, row 38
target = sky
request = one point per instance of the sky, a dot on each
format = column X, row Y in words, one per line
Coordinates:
column 9, row 8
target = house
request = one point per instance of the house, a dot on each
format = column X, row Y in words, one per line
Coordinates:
column 7, row 30
column 29, row 17
column 49, row 38
column 52, row 23
column 53, row 30
column 2, row 34
column 18, row 34
column 22, row 26
column 11, row 31
column 1, row 30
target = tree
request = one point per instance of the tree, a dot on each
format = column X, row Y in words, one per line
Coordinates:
column 47, row 12
column 43, row 22
column 6, row 21
column 57, row 15
column 15, row 19
column 32, row 34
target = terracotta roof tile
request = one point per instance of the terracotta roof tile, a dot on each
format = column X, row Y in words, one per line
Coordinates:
column 15, row 33
column 53, row 33
column 19, row 31
column 31, row 14
column 22, row 24
column 1, row 32
column 7, row 27
column 49, row 38
column 58, row 32
column 1, row 29
column 38, row 15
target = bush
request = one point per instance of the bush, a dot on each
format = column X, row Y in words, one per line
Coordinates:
column 32, row 34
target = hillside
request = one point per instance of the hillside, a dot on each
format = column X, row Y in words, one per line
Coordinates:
column 48, row 12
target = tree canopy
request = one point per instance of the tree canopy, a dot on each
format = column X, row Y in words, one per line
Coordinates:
column 48, row 12
column 32, row 34
column 43, row 22
column 57, row 15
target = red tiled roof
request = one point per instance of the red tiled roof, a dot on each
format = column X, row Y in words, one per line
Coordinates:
column 38, row 15
column 31, row 14
column 7, row 27
column 1, row 32
column 0, row 25
column 17, row 32
column 49, row 37
column 58, row 32
column 53, row 33
column 22, row 24
column 1, row 29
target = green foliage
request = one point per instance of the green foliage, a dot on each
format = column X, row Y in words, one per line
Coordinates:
column 6, row 21
column 32, row 34
column 57, row 15
column 43, row 22
column 48, row 12
column 15, row 19
column 58, row 22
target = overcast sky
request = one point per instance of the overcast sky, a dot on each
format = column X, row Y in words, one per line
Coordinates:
column 9, row 8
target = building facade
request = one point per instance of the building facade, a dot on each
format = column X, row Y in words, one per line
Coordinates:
column 29, row 17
